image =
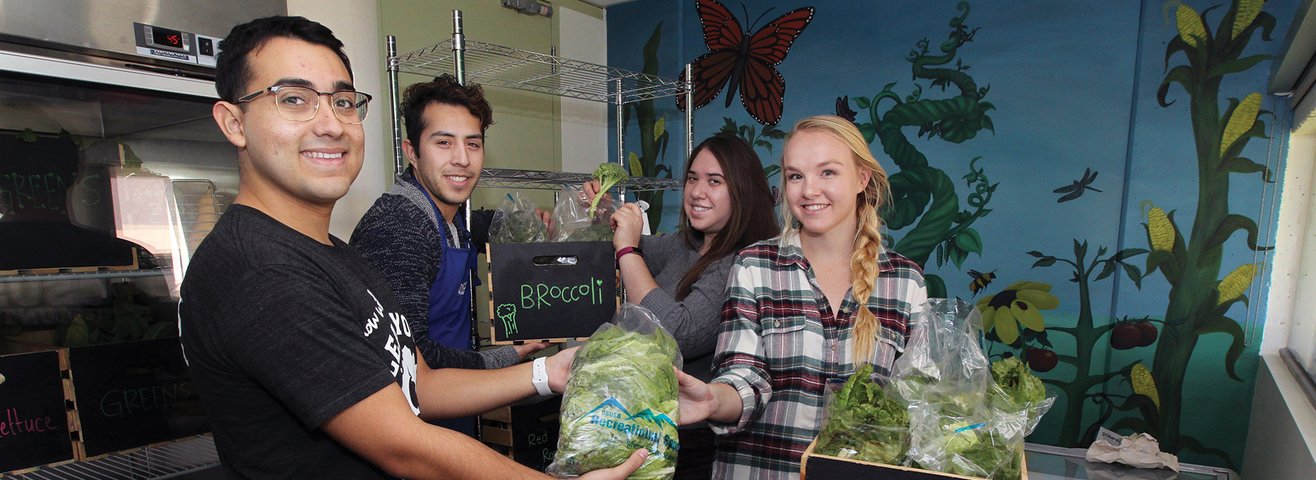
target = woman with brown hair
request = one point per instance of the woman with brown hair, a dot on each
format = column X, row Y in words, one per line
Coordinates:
column 682, row 277
column 793, row 318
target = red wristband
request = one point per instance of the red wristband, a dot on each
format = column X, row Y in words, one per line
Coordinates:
column 626, row 250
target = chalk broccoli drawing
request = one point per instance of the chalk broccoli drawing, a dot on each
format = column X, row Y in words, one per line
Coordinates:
column 507, row 313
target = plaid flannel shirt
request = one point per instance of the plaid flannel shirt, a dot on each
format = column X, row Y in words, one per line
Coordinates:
column 780, row 343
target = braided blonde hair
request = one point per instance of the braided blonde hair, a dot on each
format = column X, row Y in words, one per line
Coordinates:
column 868, row 237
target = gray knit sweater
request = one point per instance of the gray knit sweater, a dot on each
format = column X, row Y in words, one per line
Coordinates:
column 693, row 320
column 399, row 235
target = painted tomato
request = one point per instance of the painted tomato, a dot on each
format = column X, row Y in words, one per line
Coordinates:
column 1042, row 360
column 1147, row 333
column 1125, row 336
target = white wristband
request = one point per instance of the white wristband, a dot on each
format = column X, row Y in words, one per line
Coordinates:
column 539, row 377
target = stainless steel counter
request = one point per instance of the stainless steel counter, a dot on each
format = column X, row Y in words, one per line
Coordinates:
column 1046, row 462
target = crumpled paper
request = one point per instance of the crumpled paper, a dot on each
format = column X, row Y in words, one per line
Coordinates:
column 1138, row 450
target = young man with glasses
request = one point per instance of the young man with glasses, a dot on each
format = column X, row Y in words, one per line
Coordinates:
column 296, row 345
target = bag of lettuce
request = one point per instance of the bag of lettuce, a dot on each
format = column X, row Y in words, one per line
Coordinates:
column 620, row 397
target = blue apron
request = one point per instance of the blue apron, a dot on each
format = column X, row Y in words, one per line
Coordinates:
column 449, row 318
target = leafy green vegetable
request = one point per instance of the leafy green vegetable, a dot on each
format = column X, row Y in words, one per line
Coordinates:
column 865, row 423
column 608, row 174
column 1019, row 386
column 620, row 397
column 515, row 221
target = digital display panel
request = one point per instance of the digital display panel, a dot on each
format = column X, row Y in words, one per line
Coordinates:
column 167, row 37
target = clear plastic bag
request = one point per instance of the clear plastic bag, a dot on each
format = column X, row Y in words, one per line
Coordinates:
column 572, row 221
column 515, row 221
column 621, row 396
column 947, row 382
column 864, row 421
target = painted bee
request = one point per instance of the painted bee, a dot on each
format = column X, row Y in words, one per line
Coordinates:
column 980, row 280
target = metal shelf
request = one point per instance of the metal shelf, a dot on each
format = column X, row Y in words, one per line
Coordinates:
column 166, row 460
column 541, row 180
column 501, row 66
column 73, row 274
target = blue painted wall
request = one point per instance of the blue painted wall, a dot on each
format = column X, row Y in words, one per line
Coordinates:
column 1074, row 86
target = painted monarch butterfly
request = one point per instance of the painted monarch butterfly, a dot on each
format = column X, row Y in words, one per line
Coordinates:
column 746, row 62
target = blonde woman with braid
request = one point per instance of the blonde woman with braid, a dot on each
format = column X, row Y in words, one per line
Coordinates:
column 792, row 319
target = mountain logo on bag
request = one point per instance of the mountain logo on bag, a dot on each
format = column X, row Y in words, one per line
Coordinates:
column 613, row 415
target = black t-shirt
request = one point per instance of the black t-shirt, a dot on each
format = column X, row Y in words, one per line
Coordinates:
column 282, row 333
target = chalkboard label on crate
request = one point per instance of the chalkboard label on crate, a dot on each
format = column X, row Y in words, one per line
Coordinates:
column 551, row 290
column 33, row 421
column 133, row 394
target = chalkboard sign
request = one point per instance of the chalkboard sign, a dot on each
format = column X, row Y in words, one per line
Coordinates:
column 551, row 290
column 534, row 432
column 34, row 426
column 134, row 393
column 56, row 211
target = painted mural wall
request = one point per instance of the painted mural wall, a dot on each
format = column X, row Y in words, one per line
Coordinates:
column 1099, row 177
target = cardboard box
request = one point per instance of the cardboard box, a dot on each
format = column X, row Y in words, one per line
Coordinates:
column 550, row 291
column 814, row 466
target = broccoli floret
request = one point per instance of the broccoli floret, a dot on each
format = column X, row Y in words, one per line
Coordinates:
column 608, row 174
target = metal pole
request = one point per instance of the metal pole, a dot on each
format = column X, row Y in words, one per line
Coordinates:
column 459, row 46
column 621, row 150
column 689, row 113
column 393, row 103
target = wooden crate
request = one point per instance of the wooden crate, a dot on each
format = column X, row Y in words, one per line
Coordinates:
column 526, row 433
column 827, row 467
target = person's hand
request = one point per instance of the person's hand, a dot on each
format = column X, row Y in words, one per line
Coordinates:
column 619, row 472
column 528, row 348
column 591, row 190
column 695, row 398
column 546, row 217
column 627, row 224
column 559, row 368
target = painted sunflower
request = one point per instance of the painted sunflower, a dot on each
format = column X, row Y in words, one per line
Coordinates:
column 1019, row 306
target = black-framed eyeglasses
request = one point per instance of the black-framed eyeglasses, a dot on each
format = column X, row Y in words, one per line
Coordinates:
column 300, row 104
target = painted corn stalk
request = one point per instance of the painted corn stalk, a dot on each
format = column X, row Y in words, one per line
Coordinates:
column 653, row 136
column 1190, row 257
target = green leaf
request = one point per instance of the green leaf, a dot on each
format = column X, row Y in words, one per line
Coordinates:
column 869, row 133
column 1234, row 222
column 28, row 135
column 1235, row 66
column 969, row 241
column 1244, row 165
column 1045, row 262
column 936, row 286
column 1106, row 270
column 1182, row 74
column 958, row 255
column 862, row 102
column 1127, row 253
column 1221, row 324
column 1134, row 274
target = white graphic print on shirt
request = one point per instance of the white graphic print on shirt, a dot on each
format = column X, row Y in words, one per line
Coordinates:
column 404, row 359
